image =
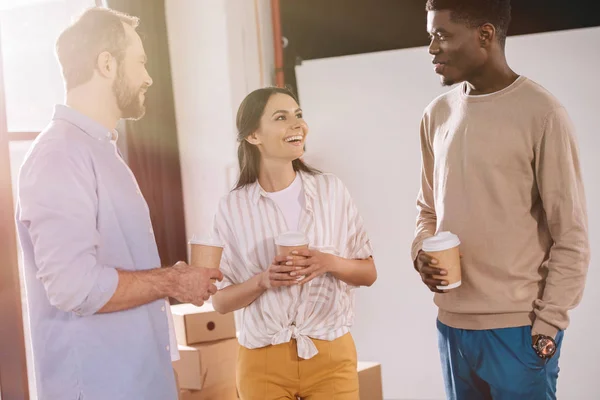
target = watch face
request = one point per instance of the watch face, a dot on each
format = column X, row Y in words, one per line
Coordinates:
column 546, row 347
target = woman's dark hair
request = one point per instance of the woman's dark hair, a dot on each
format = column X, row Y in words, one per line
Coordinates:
column 247, row 122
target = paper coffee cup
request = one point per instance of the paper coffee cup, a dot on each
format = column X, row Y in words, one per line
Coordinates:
column 205, row 252
column 291, row 241
column 444, row 248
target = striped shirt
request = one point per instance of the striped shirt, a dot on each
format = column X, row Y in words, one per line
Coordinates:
column 248, row 222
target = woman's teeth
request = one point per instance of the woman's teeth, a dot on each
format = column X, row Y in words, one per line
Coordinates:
column 294, row 139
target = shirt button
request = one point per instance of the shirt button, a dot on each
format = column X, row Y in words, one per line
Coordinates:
column 162, row 308
column 168, row 348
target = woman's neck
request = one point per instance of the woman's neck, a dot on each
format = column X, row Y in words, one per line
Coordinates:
column 275, row 176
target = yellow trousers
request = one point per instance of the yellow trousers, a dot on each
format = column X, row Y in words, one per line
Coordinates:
column 277, row 373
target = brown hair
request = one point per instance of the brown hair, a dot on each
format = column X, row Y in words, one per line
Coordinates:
column 95, row 31
column 247, row 122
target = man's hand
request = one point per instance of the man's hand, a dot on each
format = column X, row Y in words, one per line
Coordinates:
column 193, row 284
column 278, row 274
column 427, row 267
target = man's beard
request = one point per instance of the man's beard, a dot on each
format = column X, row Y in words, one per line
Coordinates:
column 128, row 98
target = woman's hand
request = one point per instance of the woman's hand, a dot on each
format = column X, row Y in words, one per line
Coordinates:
column 278, row 274
column 312, row 264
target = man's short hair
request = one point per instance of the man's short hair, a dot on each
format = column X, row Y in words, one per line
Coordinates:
column 476, row 13
column 95, row 31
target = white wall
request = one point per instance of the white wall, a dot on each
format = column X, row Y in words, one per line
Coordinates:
column 216, row 50
column 364, row 112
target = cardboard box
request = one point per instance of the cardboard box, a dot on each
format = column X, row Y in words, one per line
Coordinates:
column 369, row 381
column 229, row 394
column 201, row 324
column 209, row 367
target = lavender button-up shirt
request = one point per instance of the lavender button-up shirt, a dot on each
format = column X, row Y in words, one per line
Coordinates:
column 80, row 216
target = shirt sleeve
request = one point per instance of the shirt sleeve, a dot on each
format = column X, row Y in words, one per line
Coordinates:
column 58, row 205
column 223, row 232
column 426, row 217
column 560, row 185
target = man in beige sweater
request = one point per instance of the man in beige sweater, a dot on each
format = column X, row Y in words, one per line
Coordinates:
column 500, row 170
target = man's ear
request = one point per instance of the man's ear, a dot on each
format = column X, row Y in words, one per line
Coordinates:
column 487, row 34
column 106, row 64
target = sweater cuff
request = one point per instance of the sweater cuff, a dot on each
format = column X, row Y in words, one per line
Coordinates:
column 414, row 252
column 543, row 328
column 416, row 247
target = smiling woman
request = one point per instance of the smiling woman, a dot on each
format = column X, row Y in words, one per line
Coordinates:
column 269, row 120
column 297, row 306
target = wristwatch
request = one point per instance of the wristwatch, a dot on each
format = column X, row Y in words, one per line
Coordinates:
column 544, row 346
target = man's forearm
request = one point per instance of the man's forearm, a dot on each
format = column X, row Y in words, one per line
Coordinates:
column 137, row 288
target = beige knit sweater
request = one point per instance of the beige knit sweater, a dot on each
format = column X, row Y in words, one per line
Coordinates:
column 502, row 172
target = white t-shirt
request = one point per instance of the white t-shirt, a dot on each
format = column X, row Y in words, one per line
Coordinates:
column 291, row 202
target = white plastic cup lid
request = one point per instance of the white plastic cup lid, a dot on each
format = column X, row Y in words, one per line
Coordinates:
column 206, row 241
column 441, row 241
column 292, row 238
